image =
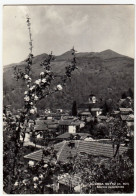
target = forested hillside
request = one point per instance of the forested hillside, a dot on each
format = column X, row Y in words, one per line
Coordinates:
column 107, row 74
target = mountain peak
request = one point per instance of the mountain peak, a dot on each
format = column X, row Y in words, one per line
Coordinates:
column 106, row 54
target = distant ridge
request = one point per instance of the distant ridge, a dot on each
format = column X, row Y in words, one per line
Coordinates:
column 106, row 54
column 107, row 74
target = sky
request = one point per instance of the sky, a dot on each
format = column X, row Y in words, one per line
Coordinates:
column 57, row 28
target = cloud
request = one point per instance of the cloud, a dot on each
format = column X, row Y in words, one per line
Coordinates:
column 59, row 27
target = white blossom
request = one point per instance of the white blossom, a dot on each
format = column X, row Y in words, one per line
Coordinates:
column 35, row 185
column 26, row 98
column 33, row 95
column 31, row 103
column 35, row 179
column 31, row 163
column 29, row 79
column 41, row 176
column 44, row 80
column 38, row 136
column 26, row 76
column 33, row 110
column 38, row 81
column 48, row 71
column 42, row 73
column 45, row 166
column 16, row 183
column 25, row 92
column 24, row 182
column 32, row 87
column 35, row 98
column 59, row 87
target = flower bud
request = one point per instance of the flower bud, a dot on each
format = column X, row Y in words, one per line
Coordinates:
column 59, row 87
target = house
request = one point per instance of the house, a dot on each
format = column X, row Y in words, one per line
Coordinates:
column 52, row 116
column 125, row 111
column 96, row 111
column 78, row 123
column 48, row 117
column 84, row 115
column 40, row 128
column 44, row 126
column 128, row 118
column 59, row 110
column 64, row 125
column 47, row 111
column 70, row 125
column 92, row 98
column 73, row 128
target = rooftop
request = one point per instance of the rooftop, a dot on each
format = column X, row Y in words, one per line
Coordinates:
column 65, row 122
column 67, row 135
column 125, row 109
column 45, row 124
column 85, row 113
column 76, row 123
column 102, row 117
column 70, row 121
column 65, row 150
column 127, row 117
column 116, row 112
column 37, row 155
column 95, row 109
column 130, row 124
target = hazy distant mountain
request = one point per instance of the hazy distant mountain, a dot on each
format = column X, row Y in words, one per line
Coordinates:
column 107, row 74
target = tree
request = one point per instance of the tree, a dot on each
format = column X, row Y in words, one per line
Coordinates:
column 100, row 131
column 118, row 134
column 108, row 106
column 74, row 109
column 124, row 95
column 130, row 93
column 109, row 171
column 18, row 176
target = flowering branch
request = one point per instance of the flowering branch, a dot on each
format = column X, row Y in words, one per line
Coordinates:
column 16, row 126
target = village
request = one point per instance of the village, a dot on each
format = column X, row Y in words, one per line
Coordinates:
column 89, row 132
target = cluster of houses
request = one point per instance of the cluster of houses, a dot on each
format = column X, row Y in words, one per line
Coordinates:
column 61, row 124
column 70, row 138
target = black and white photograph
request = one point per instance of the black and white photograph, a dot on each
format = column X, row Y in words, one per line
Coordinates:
column 68, row 98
